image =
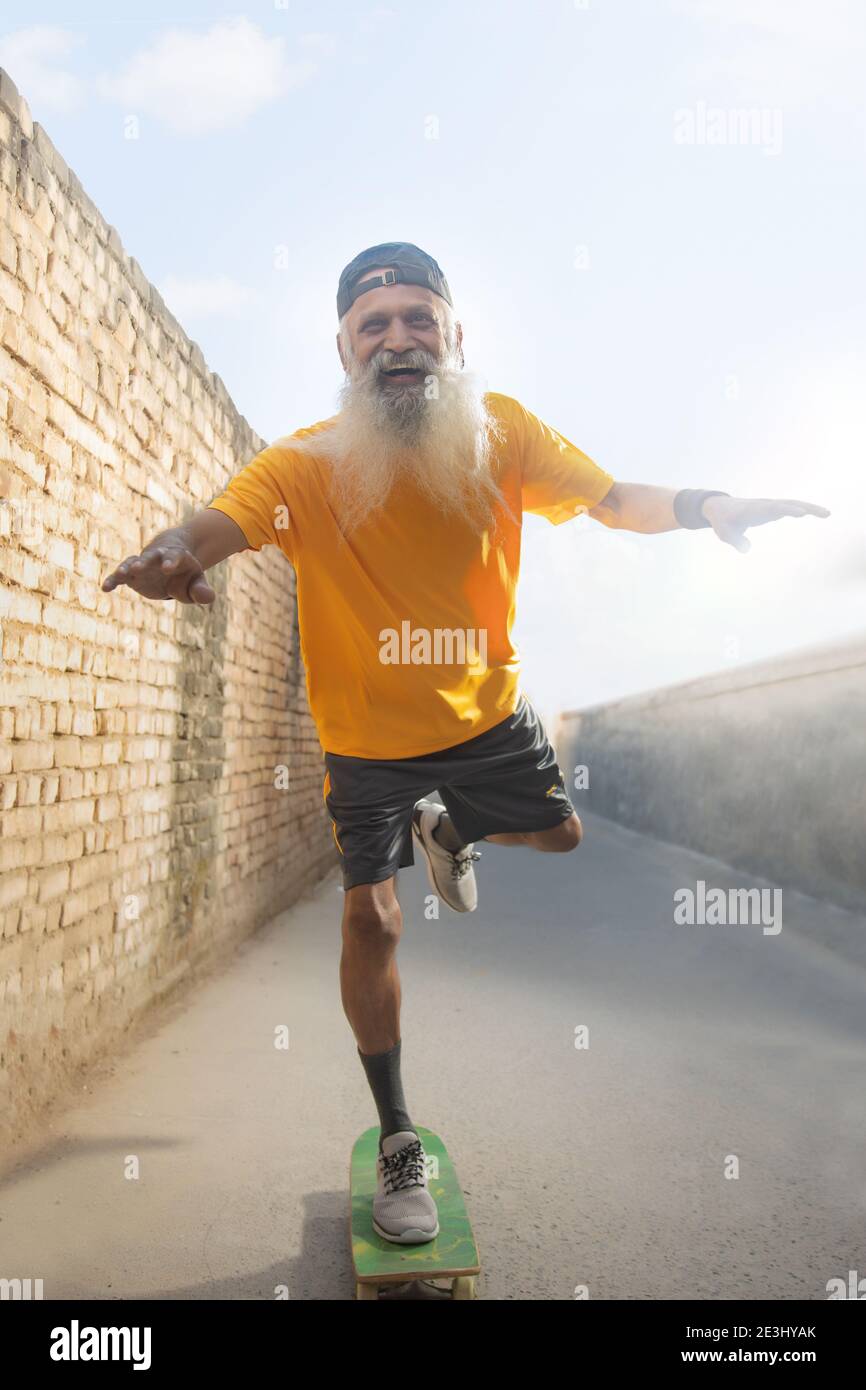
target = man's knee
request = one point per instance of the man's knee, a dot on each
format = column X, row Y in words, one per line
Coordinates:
column 565, row 836
column 372, row 914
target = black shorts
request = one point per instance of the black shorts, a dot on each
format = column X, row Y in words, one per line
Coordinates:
column 506, row 779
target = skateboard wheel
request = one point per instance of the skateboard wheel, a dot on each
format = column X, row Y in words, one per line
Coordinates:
column 366, row 1290
column 464, row 1286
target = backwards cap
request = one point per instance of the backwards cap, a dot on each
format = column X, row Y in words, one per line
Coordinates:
column 409, row 266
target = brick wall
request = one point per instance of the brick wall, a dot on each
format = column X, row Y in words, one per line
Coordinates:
column 145, row 824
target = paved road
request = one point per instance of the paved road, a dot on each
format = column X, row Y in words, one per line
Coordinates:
column 601, row 1167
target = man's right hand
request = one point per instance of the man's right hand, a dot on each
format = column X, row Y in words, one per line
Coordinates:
column 163, row 570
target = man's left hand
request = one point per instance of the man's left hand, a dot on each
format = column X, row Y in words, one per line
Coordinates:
column 731, row 516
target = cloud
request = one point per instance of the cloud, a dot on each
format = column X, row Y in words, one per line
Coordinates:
column 34, row 60
column 214, row 295
column 197, row 83
column 325, row 44
column 785, row 52
column 375, row 18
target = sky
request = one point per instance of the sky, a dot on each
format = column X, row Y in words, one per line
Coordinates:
column 651, row 217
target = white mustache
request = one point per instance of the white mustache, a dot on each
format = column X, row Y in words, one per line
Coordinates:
column 416, row 361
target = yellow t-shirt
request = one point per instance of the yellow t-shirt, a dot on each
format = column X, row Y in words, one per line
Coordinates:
column 406, row 625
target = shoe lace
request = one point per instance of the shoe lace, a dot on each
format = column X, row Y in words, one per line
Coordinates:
column 405, row 1168
column 461, row 864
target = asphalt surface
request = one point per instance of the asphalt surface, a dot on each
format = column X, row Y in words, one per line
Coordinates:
column 601, row 1167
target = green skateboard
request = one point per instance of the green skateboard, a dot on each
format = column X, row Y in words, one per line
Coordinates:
column 452, row 1255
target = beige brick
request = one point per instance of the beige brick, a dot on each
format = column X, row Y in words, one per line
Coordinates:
column 84, row 722
column 66, row 815
column 27, row 268
column 29, row 791
column 74, row 908
column 24, row 720
column 64, row 720
column 50, row 789
column 53, row 912
column 17, row 853
column 51, row 883
column 90, row 750
column 10, row 294
column 43, row 217
column 61, row 552
column 107, row 808
column 8, row 250
column 26, row 756
column 71, row 785
column 56, row 448
column 124, row 332
column 19, row 608
column 13, row 889
column 67, row 753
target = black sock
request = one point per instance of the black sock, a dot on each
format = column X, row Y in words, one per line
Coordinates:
column 383, row 1074
column 446, row 835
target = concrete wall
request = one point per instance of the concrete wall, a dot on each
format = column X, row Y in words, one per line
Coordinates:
column 763, row 767
column 144, row 827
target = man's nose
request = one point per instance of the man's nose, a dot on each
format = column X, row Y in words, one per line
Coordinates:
column 399, row 338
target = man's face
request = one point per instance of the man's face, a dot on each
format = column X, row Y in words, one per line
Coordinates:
column 397, row 321
column 427, row 424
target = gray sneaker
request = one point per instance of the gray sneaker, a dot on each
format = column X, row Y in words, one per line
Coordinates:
column 403, row 1210
column 451, row 875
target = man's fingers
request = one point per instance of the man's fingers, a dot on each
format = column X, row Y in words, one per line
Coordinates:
column 773, row 510
column 148, row 557
column 809, row 510
column 118, row 576
column 739, row 542
column 761, row 510
column 731, row 536
column 780, row 509
column 200, row 591
column 185, row 581
column 806, row 508
column 152, row 568
column 133, row 565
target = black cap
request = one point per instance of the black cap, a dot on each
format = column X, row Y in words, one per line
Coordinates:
column 409, row 265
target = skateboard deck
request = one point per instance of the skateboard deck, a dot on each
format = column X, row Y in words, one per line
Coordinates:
column 452, row 1255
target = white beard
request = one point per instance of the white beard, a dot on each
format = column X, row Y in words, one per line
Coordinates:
column 437, row 432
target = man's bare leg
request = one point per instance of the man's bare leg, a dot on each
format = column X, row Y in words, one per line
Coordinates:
column 369, row 979
column 558, row 840
column 370, row 985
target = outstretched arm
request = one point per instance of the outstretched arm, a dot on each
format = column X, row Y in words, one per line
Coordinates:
column 172, row 565
column 642, row 507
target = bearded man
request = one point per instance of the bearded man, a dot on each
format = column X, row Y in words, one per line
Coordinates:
column 402, row 517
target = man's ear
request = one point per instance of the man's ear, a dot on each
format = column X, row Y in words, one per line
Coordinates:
column 458, row 329
column 340, row 351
